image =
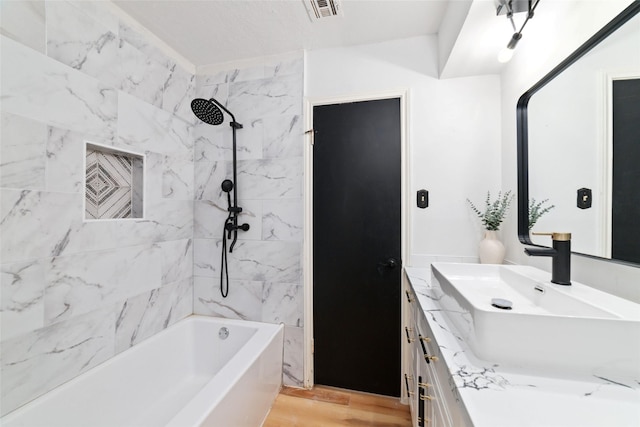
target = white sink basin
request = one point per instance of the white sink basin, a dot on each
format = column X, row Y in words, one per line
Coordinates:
column 568, row 329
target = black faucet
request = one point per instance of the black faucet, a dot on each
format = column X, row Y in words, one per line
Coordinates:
column 561, row 254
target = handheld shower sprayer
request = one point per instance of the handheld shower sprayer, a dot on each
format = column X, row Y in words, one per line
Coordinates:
column 227, row 186
column 210, row 112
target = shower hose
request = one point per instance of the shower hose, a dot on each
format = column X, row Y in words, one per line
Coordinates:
column 224, row 268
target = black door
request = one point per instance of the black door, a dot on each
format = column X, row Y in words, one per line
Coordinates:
column 357, row 245
column 626, row 170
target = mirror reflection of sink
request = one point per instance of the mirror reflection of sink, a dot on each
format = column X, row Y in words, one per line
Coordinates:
column 568, row 329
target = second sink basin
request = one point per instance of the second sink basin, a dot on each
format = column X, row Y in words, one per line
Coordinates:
column 568, row 329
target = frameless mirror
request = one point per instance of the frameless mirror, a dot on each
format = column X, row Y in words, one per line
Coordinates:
column 579, row 145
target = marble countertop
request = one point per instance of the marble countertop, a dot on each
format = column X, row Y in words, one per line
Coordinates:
column 496, row 396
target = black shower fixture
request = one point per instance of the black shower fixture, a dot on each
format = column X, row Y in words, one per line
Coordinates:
column 210, row 112
column 207, row 111
column 227, row 185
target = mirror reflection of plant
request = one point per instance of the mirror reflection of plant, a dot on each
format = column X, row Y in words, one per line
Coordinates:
column 536, row 210
column 494, row 211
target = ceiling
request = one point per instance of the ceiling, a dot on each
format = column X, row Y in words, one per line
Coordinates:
column 216, row 31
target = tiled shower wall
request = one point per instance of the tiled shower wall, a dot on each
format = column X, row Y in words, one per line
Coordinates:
column 74, row 293
column 265, row 268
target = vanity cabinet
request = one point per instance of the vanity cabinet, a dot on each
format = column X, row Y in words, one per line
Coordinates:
column 408, row 304
column 428, row 382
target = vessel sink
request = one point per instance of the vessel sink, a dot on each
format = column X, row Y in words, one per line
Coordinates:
column 515, row 316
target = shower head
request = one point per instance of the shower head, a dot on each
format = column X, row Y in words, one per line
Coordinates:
column 207, row 111
column 210, row 112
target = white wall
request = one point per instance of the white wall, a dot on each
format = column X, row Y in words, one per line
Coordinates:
column 449, row 30
column 564, row 26
column 453, row 135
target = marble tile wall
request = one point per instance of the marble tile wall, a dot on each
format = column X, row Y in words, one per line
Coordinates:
column 265, row 268
column 75, row 293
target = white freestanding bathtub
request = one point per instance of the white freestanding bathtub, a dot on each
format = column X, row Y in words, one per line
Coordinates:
column 187, row 375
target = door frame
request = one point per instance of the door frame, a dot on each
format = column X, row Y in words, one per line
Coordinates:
column 307, row 261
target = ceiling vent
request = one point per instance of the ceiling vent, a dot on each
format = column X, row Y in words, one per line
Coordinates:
column 320, row 9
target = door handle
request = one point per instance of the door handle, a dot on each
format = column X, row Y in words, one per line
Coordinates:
column 391, row 263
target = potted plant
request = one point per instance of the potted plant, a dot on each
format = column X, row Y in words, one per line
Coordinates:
column 491, row 249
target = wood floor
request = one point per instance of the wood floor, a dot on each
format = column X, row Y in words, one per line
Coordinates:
column 327, row 407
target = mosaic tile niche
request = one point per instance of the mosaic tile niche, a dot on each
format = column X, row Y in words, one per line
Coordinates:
column 113, row 184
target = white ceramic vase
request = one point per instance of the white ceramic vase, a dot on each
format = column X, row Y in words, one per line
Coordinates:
column 491, row 250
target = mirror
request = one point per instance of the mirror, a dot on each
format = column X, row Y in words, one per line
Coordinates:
column 579, row 146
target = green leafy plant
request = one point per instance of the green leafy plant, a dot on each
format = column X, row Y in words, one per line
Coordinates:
column 536, row 210
column 494, row 211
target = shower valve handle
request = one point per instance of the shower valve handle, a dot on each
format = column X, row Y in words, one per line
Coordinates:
column 231, row 227
column 228, row 226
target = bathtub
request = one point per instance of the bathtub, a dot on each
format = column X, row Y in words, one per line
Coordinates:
column 187, row 375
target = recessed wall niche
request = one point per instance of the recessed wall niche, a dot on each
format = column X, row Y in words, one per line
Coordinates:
column 114, row 183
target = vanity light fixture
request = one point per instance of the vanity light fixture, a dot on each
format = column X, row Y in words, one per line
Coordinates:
column 509, row 8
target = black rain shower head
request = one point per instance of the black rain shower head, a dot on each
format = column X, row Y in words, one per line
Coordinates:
column 210, row 112
column 207, row 111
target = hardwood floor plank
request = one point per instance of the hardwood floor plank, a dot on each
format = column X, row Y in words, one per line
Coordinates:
column 329, row 407
column 318, row 393
column 377, row 404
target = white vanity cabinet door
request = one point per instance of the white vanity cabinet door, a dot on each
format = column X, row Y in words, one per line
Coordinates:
column 409, row 303
column 451, row 413
column 430, row 401
column 424, row 392
column 411, row 387
column 420, row 380
column 427, row 380
column 430, row 389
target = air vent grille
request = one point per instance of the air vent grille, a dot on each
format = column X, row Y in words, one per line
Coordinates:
column 320, row 9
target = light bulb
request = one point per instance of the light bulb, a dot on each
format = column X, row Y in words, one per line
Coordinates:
column 505, row 55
